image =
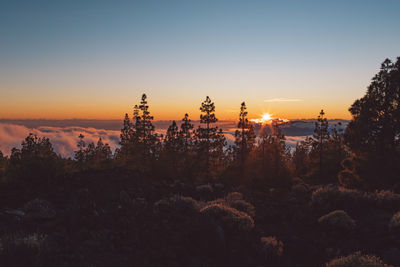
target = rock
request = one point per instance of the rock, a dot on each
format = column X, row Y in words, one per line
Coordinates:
column 18, row 213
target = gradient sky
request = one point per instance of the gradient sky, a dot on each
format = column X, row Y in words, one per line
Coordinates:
column 94, row 59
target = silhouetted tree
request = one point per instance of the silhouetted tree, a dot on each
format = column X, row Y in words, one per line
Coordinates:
column 140, row 145
column 186, row 136
column 300, row 159
column 126, row 131
column 319, row 142
column 145, row 131
column 93, row 156
column 210, row 140
column 3, row 164
column 271, row 156
column 244, row 137
column 327, row 151
column 80, row 156
column 35, row 161
column 173, row 147
column 186, row 132
column 374, row 132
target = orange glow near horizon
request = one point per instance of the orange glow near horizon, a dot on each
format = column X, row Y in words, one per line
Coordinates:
column 267, row 118
column 163, row 108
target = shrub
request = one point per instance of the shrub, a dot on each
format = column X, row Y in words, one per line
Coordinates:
column 39, row 209
column 176, row 206
column 204, row 189
column 271, row 247
column 229, row 218
column 233, row 196
column 394, row 224
column 235, row 200
column 125, row 199
column 357, row 260
column 297, row 180
column 300, row 189
column 332, row 197
column 349, row 179
column 16, row 250
column 337, row 219
column 243, row 206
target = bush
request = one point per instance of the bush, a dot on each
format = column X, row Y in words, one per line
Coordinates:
column 394, row 224
column 229, row 218
column 177, row 206
column 332, row 197
column 297, row 180
column 16, row 250
column 271, row 247
column 233, row 196
column 349, row 179
column 204, row 192
column 243, row 206
column 39, row 209
column 357, row 260
column 337, row 219
column 235, row 200
column 300, row 189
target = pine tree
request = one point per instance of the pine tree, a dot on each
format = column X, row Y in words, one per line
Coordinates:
column 3, row 164
column 272, row 155
column 300, row 158
column 80, row 153
column 210, row 140
column 373, row 134
column 147, row 142
column 36, row 159
column 320, row 140
column 173, row 149
column 244, row 136
column 102, row 153
column 172, row 141
column 186, row 132
column 126, row 131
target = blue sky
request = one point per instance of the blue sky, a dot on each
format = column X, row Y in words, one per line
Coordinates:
column 93, row 59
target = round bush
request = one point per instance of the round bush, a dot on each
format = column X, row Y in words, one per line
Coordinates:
column 17, row 250
column 297, row 180
column 300, row 189
column 271, row 247
column 204, row 189
column 394, row 224
column 176, row 206
column 39, row 209
column 338, row 220
column 357, row 260
column 349, row 179
column 229, row 218
column 243, row 206
column 233, row 196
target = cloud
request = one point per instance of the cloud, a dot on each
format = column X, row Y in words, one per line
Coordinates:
column 282, row 99
column 291, row 141
column 63, row 139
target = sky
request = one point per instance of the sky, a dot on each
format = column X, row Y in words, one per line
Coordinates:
column 93, row 59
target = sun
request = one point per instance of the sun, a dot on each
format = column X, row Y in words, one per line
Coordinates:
column 266, row 117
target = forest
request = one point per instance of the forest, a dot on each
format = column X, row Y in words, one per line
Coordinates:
column 186, row 198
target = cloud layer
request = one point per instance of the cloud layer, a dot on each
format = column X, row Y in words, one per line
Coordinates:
column 63, row 139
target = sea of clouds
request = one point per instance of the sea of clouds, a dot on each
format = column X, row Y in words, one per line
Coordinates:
column 64, row 137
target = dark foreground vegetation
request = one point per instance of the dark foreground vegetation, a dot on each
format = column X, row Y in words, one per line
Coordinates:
column 186, row 199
